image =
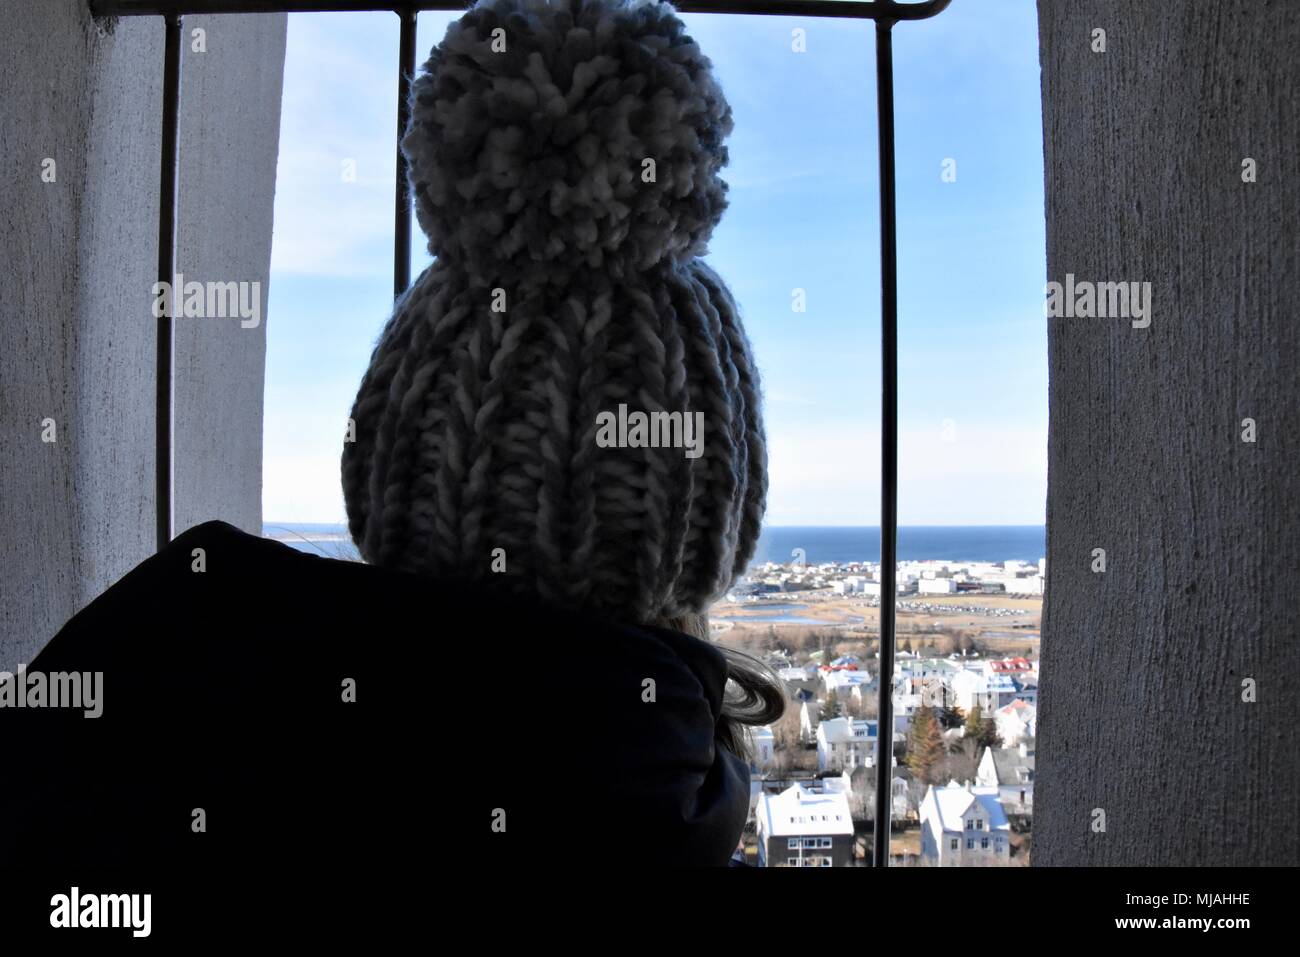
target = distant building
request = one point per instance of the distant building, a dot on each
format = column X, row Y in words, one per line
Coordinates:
column 905, row 708
column 1016, row 721
column 925, row 668
column 936, row 586
column 762, row 744
column 810, row 716
column 970, row 690
column 848, row 684
column 1023, row 585
column 846, row 743
column 934, row 690
column 807, row 825
column 1001, row 690
column 904, row 587
column 1008, row 666
column 1011, row 772
column 800, row 685
column 964, row 826
column 987, row 690
column 1027, row 687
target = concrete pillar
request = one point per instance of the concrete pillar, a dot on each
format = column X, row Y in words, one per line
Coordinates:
column 76, row 332
column 1145, row 665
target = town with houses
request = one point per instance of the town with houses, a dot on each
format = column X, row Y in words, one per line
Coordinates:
column 964, row 714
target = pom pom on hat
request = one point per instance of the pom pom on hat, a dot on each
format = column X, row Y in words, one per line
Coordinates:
column 548, row 134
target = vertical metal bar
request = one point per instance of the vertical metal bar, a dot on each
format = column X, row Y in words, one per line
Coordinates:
column 888, row 437
column 167, row 178
column 402, row 218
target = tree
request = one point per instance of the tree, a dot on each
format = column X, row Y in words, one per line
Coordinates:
column 983, row 731
column 870, row 706
column 950, row 718
column 863, row 806
column 924, row 745
column 989, row 737
column 785, row 732
column 962, row 763
column 804, row 641
column 831, row 707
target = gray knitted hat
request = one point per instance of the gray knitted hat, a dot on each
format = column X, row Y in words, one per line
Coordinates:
column 564, row 159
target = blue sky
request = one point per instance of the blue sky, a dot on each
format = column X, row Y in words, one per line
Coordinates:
column 803, row 213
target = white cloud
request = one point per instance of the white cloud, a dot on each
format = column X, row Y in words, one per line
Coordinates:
column 831, row 476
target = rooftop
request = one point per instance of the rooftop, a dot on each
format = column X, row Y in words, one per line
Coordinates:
column 953, row 801
column 803, row 810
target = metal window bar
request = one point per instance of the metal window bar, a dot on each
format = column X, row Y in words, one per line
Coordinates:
column 885, row 13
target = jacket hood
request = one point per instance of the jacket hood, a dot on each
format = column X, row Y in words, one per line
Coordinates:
column 481, row 729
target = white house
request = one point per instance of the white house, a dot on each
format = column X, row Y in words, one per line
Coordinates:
column 807, row 825
column 901, row 792
column 931, row 678
column 1024, row 585
column 1015, row 722
column 964, row 826
column 905, row 708
column 848, row 684
column 936, row 586
column 1001, row 690
column 904, row 587
column 762, row 744
column 970, row 688
column 793, row 674
column 1008, row 666
column 934, row 690
column 845, row 743
column 988, row 690
column 810, row 716
column 1011, row 772
column 1027, row 687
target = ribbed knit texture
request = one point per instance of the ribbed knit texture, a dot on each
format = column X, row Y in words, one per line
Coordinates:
column 476, row 429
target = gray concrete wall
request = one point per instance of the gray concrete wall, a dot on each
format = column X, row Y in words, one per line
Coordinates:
column 76, row 333
column 1142, row 713
column 230, row 136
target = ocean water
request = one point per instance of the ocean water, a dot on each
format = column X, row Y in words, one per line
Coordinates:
column 962, row 543
column 316, row 538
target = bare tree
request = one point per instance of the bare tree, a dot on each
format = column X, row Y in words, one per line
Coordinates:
column 785, row 732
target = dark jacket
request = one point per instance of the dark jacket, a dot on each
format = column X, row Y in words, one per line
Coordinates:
column 224, row 690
